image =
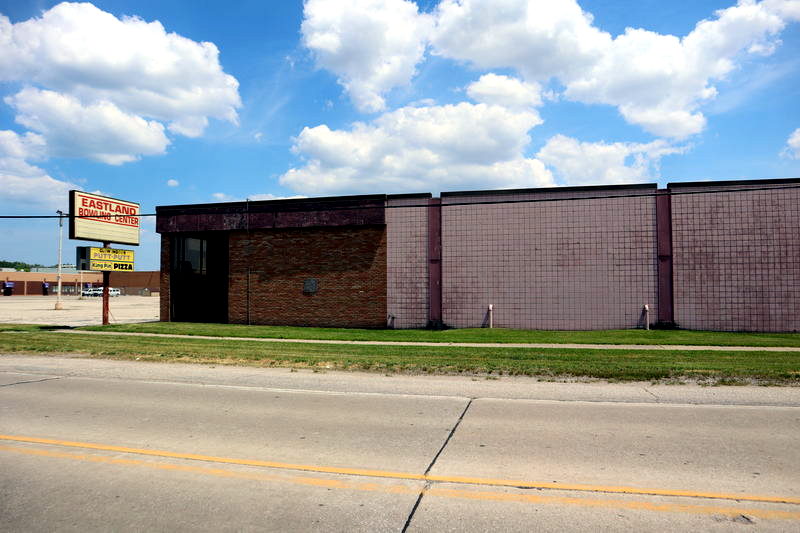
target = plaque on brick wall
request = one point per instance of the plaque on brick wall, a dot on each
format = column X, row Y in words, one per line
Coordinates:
column 310, row 286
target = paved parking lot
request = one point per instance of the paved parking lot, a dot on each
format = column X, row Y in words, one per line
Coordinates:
column 76, row 312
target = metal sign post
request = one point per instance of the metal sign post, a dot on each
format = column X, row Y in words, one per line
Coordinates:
column 107, row 260
column 106, row 283
column 59, row 305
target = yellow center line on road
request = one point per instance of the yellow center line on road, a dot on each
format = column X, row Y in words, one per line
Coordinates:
column 768, row 514
column 407, row 475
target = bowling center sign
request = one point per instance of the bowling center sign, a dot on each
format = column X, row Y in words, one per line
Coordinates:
column 99, row 218
column 93, row 217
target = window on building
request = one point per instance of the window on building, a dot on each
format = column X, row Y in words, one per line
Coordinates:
column 190, row 255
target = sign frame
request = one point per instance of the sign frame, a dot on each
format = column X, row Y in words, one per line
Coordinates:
column 94, row 230
column 104, row 259
column 123, row 263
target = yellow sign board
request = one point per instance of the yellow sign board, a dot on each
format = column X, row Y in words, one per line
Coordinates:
column 111, row 259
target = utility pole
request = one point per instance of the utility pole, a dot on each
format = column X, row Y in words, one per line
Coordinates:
column 59, row 305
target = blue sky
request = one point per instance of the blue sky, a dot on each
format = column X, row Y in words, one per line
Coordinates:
column 332, row 97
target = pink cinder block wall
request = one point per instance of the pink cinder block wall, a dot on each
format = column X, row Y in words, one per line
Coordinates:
column 736, row 257
column 407, row 261
column 582, row 264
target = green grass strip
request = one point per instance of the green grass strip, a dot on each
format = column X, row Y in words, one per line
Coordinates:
column 623, row 365
column 20, row 327
column 480, row 335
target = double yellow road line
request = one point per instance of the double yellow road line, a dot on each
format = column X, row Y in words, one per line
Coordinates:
column 407, row 476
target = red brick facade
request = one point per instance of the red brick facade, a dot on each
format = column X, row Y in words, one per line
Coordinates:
column 347, row 263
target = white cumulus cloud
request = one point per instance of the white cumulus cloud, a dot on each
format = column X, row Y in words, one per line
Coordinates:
column 16, row 146
column 24, row 185
column 792, row 149
column 172, row 183
column 136, row 65
column 420, row 148
column 658, row 82
column 104, row 88
column 371, row 45
column 38, row 191
column 270, row 196
column 505, row 91
column 585, row 163
column 222, row 197
column 99, row 131
column 539, row 38
column 787, row 9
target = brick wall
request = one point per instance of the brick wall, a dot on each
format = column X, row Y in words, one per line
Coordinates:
column 164, row 304
column 736, row 258
column 135, row 282
column 349, row 264
column 407, row 261
column 578, row 264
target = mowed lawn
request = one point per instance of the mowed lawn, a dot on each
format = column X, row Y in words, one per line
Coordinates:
column 611, row 364
column 477, row 335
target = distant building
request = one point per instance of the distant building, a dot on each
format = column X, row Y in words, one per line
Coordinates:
column 64, row 268
column 144, row 283
column 32, row 283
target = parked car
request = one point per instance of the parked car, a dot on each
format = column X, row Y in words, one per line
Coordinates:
column 98, row 291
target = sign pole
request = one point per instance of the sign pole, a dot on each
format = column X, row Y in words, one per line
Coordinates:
column 106, row 283
column 59, row 305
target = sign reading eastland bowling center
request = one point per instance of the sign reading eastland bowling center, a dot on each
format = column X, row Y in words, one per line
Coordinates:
column 98, row 218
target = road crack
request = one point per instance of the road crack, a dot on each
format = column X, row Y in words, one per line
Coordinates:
column 430, row 466
column 30, row 381
column 650, row 393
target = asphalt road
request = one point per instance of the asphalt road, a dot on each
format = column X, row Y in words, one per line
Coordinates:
column 102, row 445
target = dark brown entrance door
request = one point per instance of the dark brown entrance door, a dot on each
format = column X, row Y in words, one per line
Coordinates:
column 199, row 278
